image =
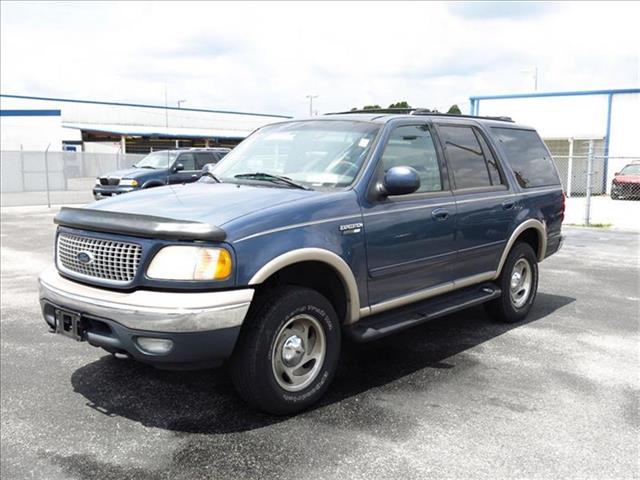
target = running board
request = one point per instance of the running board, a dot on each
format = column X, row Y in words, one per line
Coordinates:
column 383, row 324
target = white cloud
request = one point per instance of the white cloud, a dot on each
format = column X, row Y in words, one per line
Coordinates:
column 268, row 56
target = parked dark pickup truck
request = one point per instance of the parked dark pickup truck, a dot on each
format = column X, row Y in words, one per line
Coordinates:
column 357, row 224
column 159, row 168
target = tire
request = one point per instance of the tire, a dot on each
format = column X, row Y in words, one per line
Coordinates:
column 513, row 305
column 289, row 330
column 614, row 196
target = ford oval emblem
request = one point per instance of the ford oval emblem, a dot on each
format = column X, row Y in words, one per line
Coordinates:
column 85, row 257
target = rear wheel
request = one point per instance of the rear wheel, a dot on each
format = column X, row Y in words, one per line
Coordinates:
column 288, row 350
column 519, row 284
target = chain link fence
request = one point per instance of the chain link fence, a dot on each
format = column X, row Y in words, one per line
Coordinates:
column 595, row 194
column 46, row 178
column 601, row 190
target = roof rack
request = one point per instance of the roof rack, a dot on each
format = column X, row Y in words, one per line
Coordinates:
column 420, row 111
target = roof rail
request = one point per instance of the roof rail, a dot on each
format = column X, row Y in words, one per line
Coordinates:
column 420, row 111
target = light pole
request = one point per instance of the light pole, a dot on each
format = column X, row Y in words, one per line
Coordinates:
column 311, row 97
column 180, row 102
column 534, row 72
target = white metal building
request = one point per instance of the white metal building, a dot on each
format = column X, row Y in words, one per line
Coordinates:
column 33, row 123
column 568, row 121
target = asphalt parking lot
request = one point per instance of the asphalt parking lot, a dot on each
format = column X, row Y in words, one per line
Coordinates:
column 460, row 397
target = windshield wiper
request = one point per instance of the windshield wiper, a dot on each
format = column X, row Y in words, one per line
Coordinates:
column 147, row 166
column 211, row 175
column 272, row 178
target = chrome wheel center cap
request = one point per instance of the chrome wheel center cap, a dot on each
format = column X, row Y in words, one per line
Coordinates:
column 515, row 279
column 292, row 351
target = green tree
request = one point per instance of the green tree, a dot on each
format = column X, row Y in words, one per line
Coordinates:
column 371, row 107
column 402, row 104
column 454, row 110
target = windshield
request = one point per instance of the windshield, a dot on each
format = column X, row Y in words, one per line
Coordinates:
column 157, row 160
column 314, row 153
column 631, row 170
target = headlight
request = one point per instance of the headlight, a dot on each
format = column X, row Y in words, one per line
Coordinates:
column 190, row 263
column 97, row 180
column 127, row 182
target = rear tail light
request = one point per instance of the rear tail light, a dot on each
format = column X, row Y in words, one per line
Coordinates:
column 564, row 202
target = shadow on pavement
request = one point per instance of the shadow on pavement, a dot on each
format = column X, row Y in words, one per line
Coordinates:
column 205, row 402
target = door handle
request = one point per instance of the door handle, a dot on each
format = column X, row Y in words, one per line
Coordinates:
column 508, row 204
column 440, row 214
column 194, row 176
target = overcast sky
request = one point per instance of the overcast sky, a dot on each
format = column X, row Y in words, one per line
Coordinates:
column 265, row 57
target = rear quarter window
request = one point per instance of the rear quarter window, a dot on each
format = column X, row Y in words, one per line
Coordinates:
column 527, row 156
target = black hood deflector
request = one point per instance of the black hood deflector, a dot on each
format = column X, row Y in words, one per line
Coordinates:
column 137, row 225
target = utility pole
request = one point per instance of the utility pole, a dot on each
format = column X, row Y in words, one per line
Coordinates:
column 311, row 97
column 166, row 108
column 534, row 72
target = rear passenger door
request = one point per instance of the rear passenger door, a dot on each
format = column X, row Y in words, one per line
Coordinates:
column 205, row 158
column 409, row 238
column 486, row 208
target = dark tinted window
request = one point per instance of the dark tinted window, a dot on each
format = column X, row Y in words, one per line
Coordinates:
column 202, row 158
column 412, row 146
column 527, row 157
column 465, row 157
column 492, row 164
column 188, row 160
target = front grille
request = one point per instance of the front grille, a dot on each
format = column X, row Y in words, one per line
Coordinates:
column 116, row 262
column 109, row 181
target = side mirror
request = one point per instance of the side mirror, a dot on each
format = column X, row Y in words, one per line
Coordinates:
column 400, row 181
column 616, row 174
column 178, row 167
column 208, row 168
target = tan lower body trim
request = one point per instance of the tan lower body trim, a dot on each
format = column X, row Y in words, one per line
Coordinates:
column 425, row 294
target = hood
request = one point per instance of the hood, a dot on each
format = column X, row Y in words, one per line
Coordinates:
column 212, row 203
column 130, row 173
column 627, row 178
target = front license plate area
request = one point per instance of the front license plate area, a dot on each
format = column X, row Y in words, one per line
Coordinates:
column 69, row 324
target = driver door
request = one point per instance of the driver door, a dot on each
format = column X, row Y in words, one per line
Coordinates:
column 188, row 174
column 410, row 238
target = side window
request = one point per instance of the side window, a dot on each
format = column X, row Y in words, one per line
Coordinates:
column 202, row 158
column 492, row 164
column 412, row 146
column 466, row 158
column 188, row 160
column 528, row 157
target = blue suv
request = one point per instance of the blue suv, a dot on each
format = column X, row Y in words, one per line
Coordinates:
column 159, row 168
column 349, row 225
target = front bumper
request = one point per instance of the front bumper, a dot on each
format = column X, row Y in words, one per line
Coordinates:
column 202, row 326
column 100, row 192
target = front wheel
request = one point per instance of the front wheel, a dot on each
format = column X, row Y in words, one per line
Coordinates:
column 519, row 284
column 288, row 350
